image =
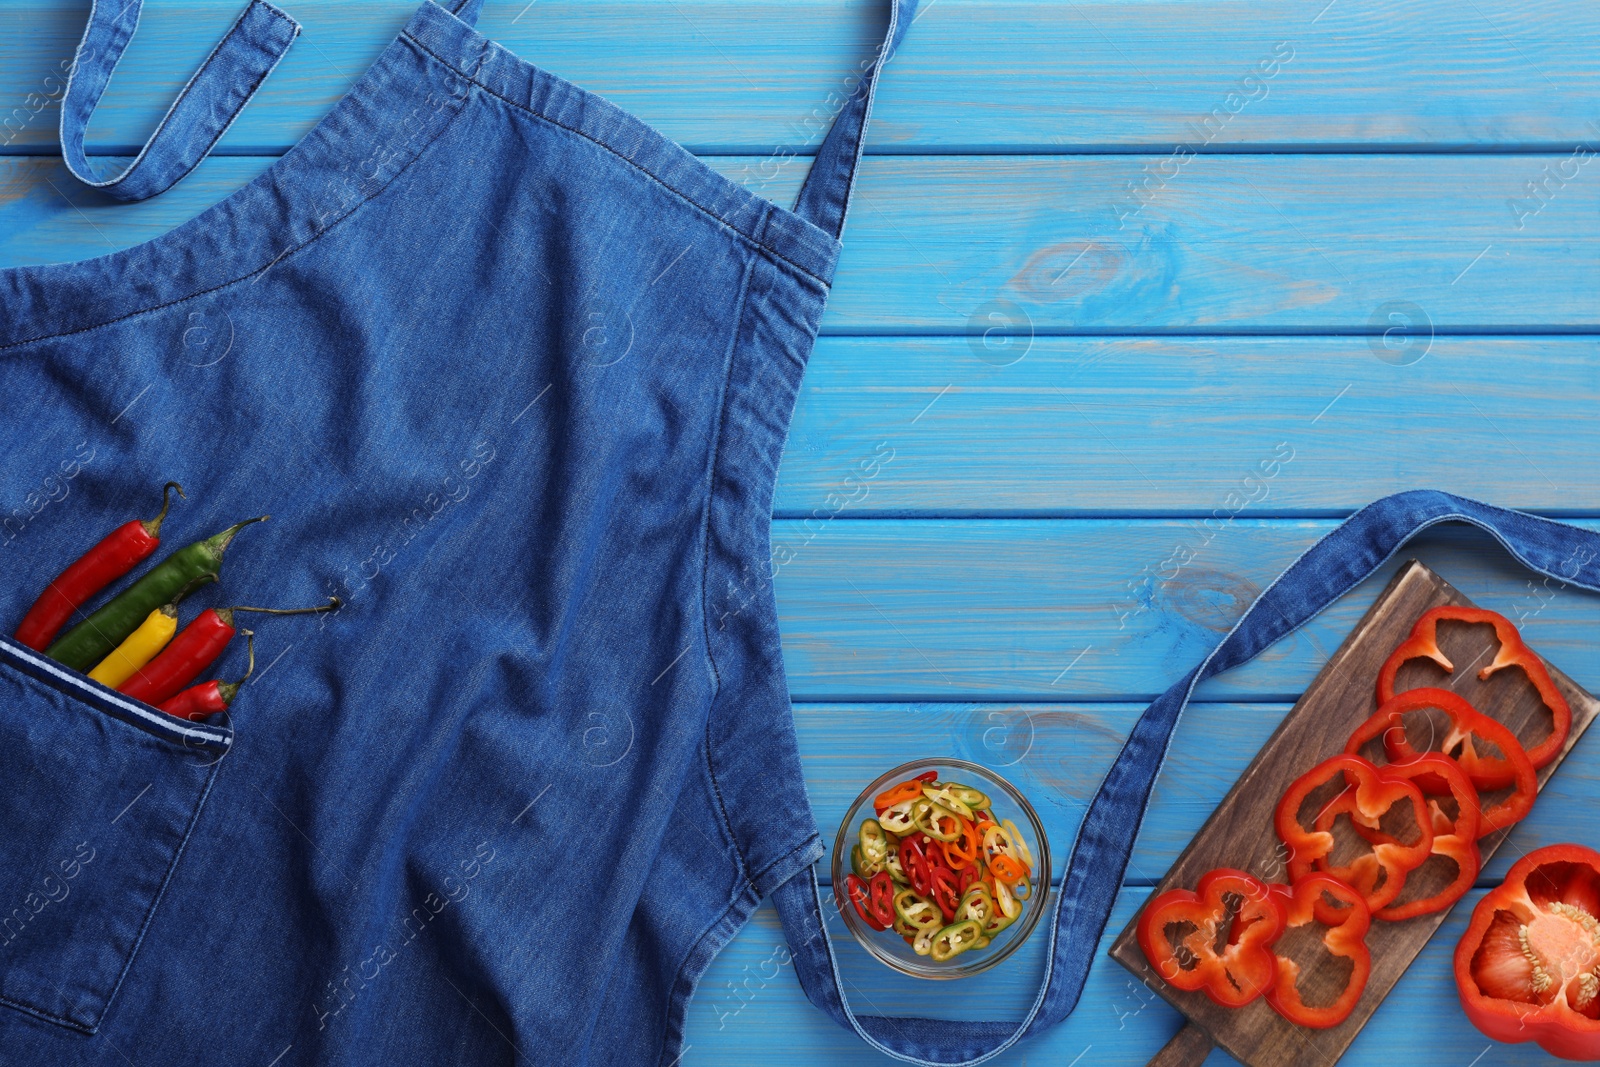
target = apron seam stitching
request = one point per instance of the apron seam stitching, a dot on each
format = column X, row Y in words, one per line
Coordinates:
column 714, row 464
column 601, row 144
column 293, row 251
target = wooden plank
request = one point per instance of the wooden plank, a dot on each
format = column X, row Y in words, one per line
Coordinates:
column 1175, row 425
column 1056, row 753
column 749, row 1008
column 961, row 245
column 1240, row 832
column 974, row 74
column 1088, row 610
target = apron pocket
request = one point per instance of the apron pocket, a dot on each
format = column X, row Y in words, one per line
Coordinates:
column 98, row 794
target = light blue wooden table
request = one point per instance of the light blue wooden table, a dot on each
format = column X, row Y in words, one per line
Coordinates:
column 1375, row 257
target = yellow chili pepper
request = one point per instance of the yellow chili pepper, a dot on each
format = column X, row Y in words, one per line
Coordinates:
column 140, row 647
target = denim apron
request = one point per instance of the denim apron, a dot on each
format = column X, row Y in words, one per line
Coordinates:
column 512, row 374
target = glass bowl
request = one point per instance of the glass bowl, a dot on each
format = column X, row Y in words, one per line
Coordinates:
column 1006, row 803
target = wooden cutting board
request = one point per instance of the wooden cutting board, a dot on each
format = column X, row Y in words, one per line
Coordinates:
column 1240, row 833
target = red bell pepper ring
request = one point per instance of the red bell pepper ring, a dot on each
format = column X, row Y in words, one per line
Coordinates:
column 1232, row 970
column 1347, row 922
column 1367, row 795
column 1513, row 652
column 856, row 890
column 1528, row 967
column 1513, row 767
column 945, row 892
column 1455, row 839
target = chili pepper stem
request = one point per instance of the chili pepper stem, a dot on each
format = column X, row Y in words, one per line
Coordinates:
column 153, row 526
column 333, row 604
column 218, row 543
column 229, row 690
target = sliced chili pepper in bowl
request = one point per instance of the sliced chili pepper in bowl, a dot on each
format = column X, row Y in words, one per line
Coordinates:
column 1366, row 795
column 856, row 891
column 1346, row 936
column 1423, row 643
column 897, row 794
column 880, row 899
column 1188, row 937
column 945, row 891
column 1467, row 726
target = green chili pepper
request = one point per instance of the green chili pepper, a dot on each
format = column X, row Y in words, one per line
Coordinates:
column 941, row 795
column 897, row 820
column 916, row 911
column 874, row 843
column 896, row 870
column 955, row 939
column 88, row 642
column 972, row 798
column 863, row 866
column 996, row 922
column 977, row 904
column 931, row 818
column 922, row 944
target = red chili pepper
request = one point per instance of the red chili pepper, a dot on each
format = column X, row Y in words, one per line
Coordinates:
column 1379, row 875
column 1225, row 929
column 1346, row 937
column 1512, row 767
column 208, row 698
column 966, row 878
column 928, row 776
column 1528, row 967
column 944, row 892
column 856, row 890
column 194, row 649
column 915, row 863
column 1455, row 839
column 1424, row 644
column 880, row 899
column 117, row 553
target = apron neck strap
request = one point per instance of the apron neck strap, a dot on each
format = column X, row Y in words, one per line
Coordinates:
column 204, row 109
column 1329, row 569
column 825, row 197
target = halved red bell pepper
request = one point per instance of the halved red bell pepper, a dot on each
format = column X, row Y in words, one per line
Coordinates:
column 1379, row 875
column 1455, row 839
column 1528, row 967
column 1423, row 643
column 1512, row 767
column 1347, row 921
column 1216, row 938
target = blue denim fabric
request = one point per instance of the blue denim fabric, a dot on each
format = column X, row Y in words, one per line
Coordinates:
column 511, row 373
